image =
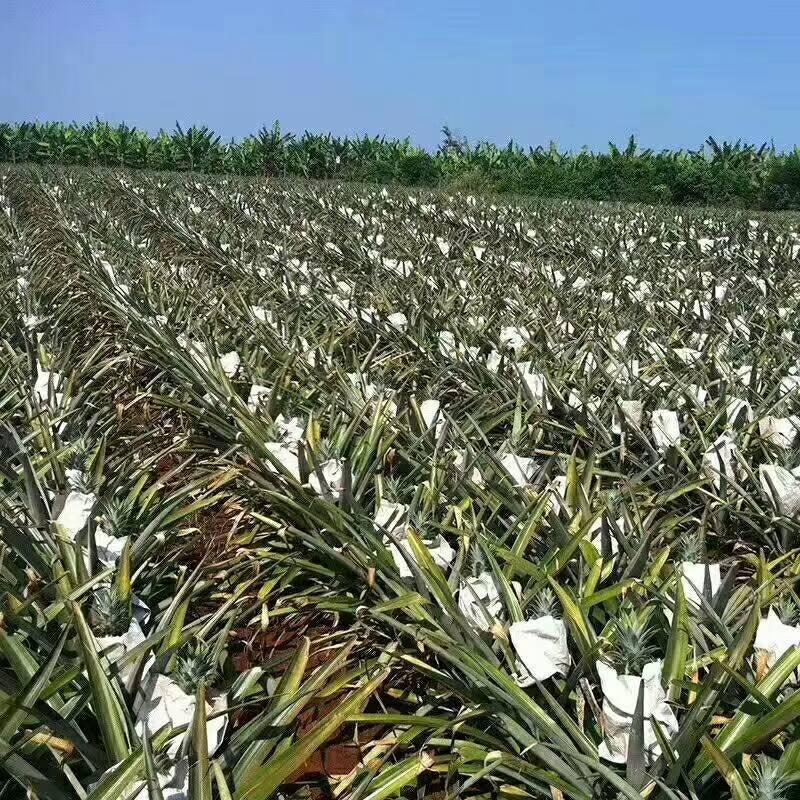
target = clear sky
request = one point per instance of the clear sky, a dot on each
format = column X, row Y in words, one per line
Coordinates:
column 575, row 71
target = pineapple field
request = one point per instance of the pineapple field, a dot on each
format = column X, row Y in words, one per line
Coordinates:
column 317, row 490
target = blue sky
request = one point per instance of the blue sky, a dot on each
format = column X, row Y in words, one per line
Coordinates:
column 578, row 72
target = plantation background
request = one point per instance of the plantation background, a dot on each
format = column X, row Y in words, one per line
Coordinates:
column 319, row 490
column 736, row 174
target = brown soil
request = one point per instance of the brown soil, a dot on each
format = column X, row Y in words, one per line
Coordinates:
column 210, row 541
column 341, row 754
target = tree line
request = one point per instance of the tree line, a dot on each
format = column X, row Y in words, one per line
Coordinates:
column 727, row 173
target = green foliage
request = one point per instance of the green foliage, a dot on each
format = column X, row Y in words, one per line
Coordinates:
column 417, row 169
column 716, row 174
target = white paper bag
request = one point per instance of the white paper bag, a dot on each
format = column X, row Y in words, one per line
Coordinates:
column 779, row 431
column 230, row 363
column 698, row 394
column 332, row 478
column 541, row 646
column 41, row 388
column 596, row 534
column 666, row 428
column 631, row 413
column 782, row 486
column 620, row 693
column 76, row 512
column 431, row 413
column 536, row 383
column 258, row 394
column 398, row 320
column 291, row 429
column 391, row 517
column 775, row 637
column 514, row 337
column 173, row 781
column 738, row 411
column 476, row 594
column 447, row 345
column 109, row 548
column 687, row 354
column 519, row 468
column 460, row 463
column 286, row 456
column 440, row 550
column 116, row 647
column 493, row 360
column 162, row 703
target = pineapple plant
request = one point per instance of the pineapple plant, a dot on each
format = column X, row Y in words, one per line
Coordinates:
column 111, row 612
column 545, row 605
column 632, row 646
column 194, row 666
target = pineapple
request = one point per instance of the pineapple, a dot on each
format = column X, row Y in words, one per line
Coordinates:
column 693, row 548
column 392, row 490
column 117, row 517
column 79, row 473
column 767, row 779
column 479, row 563
column 633, row 646
column 110, row 613
column 81, row 481
column 787, row 610
column 195, row 664
column 545, row 605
